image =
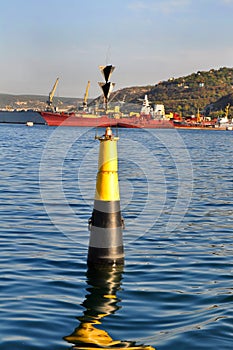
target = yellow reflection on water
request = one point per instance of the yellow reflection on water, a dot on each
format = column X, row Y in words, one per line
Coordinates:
column 101, row 301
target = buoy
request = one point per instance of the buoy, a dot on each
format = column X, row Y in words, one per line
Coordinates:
column 106, row 223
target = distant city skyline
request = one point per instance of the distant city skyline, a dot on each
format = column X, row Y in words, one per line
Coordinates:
column 148, row 41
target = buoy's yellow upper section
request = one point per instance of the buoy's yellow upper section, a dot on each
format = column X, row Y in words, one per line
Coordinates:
column 107, row 188
column 108, row 155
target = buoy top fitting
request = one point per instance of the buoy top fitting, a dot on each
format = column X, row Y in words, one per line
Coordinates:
column 108, row 132
column 108, row 135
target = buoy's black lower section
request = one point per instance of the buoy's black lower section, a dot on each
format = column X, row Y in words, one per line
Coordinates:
column 106, row 220
column 105, row 256
column 106, row 244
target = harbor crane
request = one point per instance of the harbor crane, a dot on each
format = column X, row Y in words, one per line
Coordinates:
column 86, row 96
column 51, row 95
column 227, row 110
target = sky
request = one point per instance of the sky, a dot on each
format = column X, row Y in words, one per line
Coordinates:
column 146, row 40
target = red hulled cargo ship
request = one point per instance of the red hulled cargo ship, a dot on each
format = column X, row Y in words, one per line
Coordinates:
column 82, row 120
column 146, row 119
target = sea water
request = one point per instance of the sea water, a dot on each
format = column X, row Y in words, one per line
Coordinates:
column 175, row 290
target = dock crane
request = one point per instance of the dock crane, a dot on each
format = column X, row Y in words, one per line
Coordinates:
column 51, row 95
column 86, row 96
column 227, row 110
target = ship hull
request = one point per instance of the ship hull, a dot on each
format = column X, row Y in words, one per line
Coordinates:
column 62, row 119
column 21, row 117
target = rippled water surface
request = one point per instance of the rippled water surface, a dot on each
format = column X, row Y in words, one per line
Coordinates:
column 176, row 288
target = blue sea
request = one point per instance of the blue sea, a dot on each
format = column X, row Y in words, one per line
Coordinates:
column 175, row 290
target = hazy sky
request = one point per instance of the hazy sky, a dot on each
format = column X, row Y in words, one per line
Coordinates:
column 147, row 41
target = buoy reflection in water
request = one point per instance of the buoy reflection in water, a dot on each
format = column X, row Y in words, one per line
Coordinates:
column 101, row 301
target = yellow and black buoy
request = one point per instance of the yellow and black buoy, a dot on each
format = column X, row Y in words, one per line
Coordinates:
column 106, row 222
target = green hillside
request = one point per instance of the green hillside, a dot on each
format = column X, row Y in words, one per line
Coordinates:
column 209, row 91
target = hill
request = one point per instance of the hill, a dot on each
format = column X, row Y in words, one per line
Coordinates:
column 36, row 102
column 209, row 91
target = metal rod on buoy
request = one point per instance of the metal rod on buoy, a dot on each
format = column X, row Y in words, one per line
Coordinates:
column 106, row 223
